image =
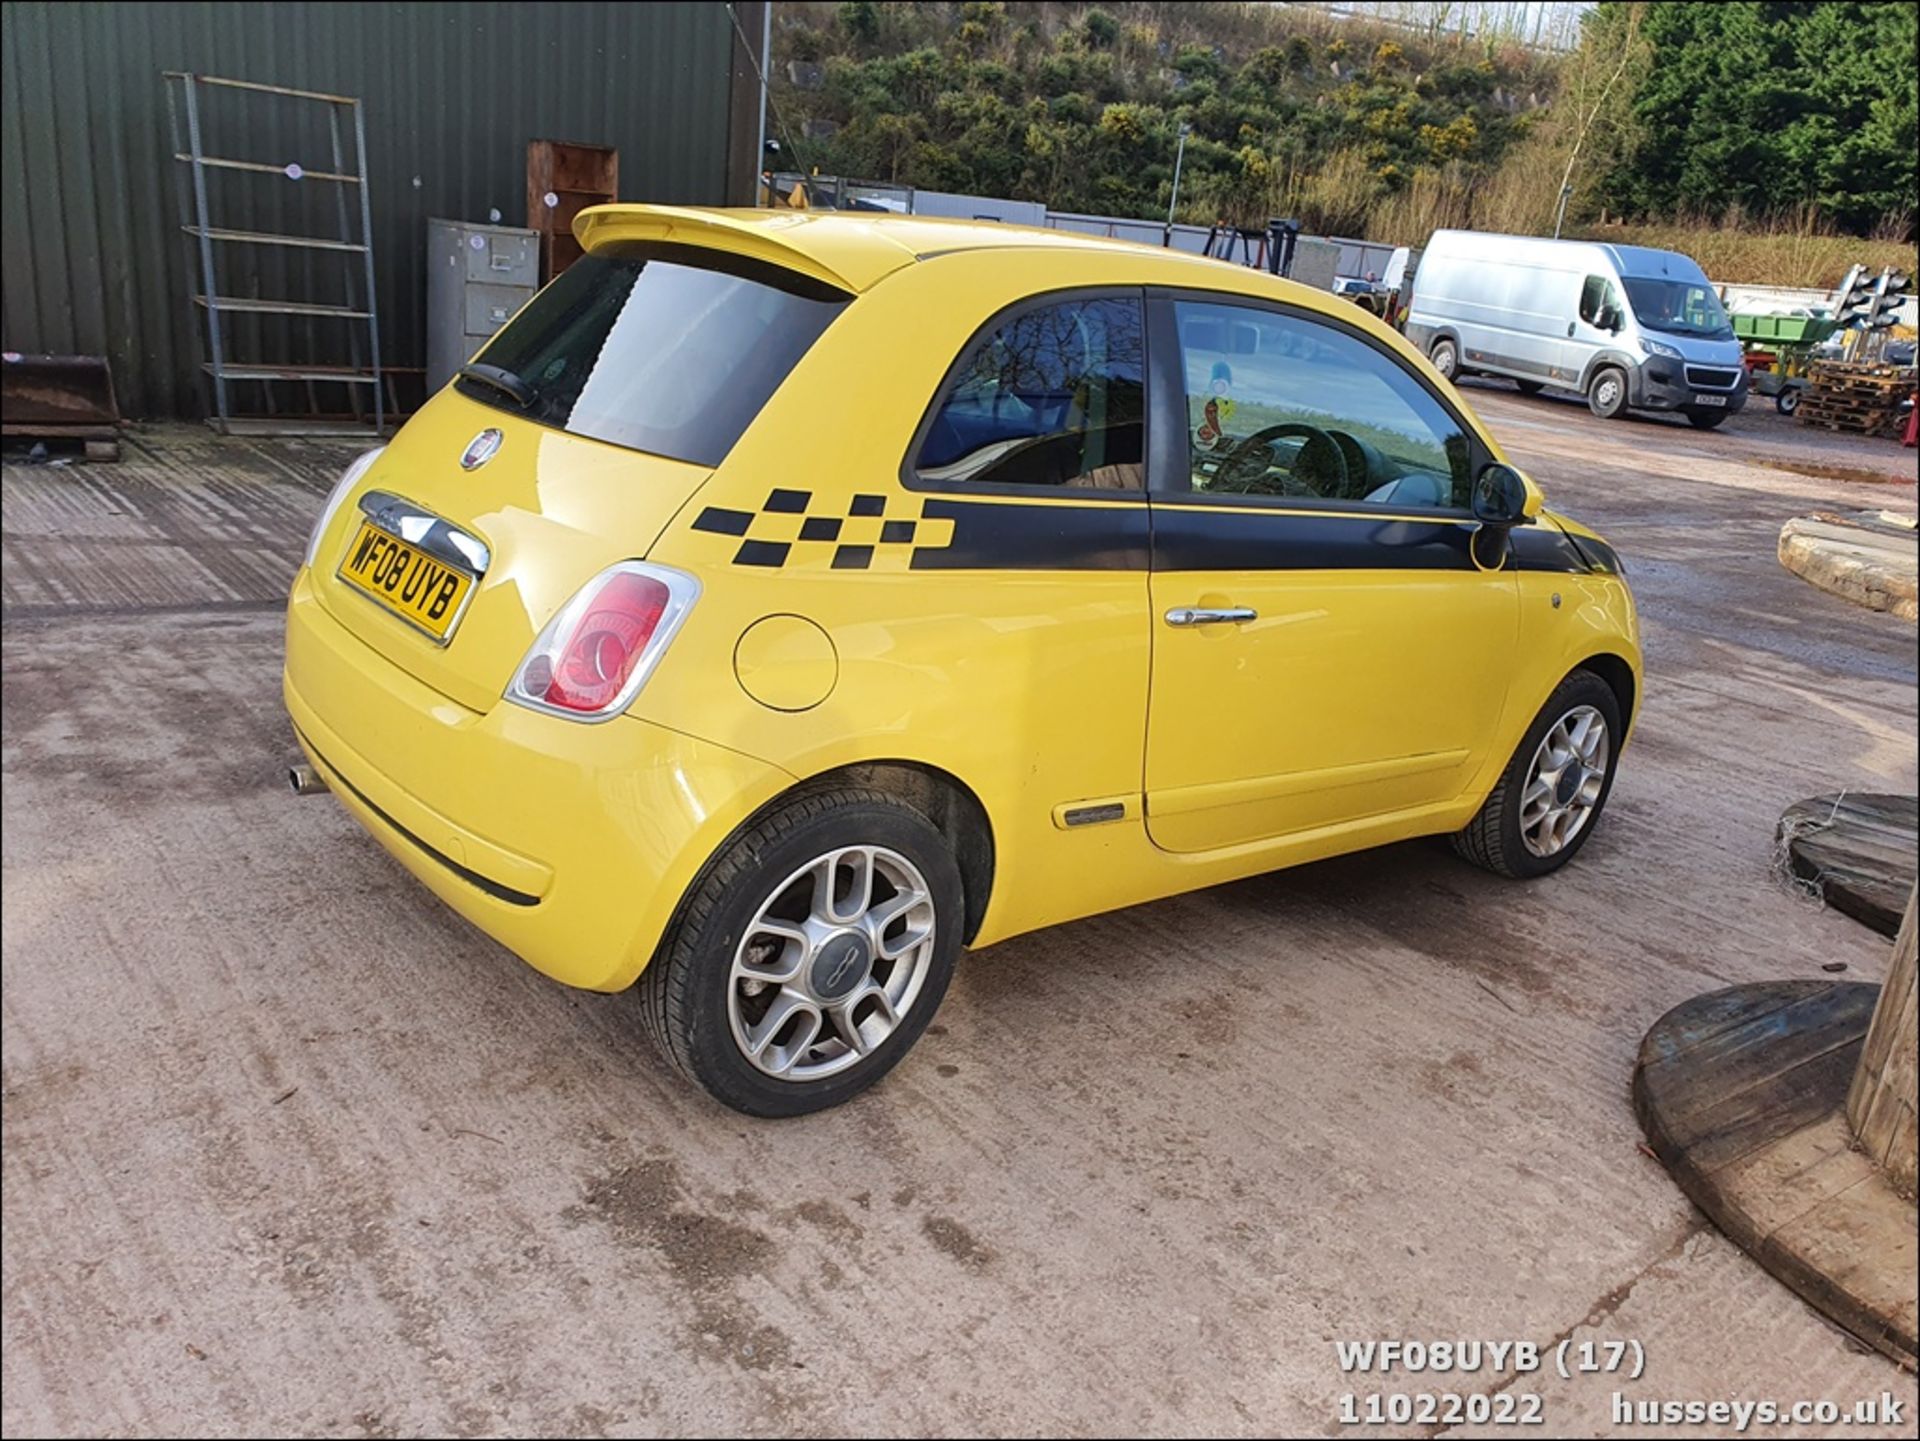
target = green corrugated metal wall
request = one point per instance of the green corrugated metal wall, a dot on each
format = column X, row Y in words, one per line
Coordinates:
column 93, row 257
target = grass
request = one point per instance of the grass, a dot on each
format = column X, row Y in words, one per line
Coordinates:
column 1759, row 256
column 1796, row 249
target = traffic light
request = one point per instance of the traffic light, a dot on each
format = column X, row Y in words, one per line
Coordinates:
column 1884, row 302
column 1853, row 301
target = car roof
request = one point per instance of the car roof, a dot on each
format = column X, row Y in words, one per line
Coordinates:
column 1640, row 262
column 855, row 250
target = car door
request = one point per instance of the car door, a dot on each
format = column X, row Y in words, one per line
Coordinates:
column 1328, row 646
column 1592, row 329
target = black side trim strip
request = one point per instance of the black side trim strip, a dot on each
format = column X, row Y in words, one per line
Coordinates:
column 1544, row 546
column 1600, row 556
column 993, row 536
column 1239, row 538
column 471, row 877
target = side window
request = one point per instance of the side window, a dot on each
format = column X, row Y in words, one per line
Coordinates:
column 1278, row 405
column 1599, row 302
column 1052, row 397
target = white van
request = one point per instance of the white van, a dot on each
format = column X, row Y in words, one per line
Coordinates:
column 1628, row 327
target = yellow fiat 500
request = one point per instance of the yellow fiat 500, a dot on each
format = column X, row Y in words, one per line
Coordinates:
column 782, row 602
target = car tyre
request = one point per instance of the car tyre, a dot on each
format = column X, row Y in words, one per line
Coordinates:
column 1446, row 358
column 696, row 1006
column 1529, row 387
column 1703, row 418
column 1788, row 400
column 1506, row 837
column 1607, row 392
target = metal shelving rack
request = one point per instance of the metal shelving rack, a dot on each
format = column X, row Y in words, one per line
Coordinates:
column 197, row 224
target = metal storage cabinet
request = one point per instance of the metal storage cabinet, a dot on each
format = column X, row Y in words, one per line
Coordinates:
column 477, row 277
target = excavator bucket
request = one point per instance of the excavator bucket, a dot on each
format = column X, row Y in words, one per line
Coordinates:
column 60, row 397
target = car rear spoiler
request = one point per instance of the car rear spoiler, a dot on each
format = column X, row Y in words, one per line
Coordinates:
column 783, row 238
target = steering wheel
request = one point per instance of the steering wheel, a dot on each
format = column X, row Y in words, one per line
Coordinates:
column 1249, row 462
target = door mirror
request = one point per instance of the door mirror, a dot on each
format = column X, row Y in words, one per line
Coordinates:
column 1503, row 497
column 1610, row 320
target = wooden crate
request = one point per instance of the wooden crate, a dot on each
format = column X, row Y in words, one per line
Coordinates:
column 563, row 179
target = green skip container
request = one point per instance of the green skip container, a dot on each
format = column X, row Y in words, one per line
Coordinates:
column 1781, row 329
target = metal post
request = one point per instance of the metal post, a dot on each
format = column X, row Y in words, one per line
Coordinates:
column 1178, row 155
column 183, row 199
column 1560, row 215
column 366, row 237
column 346, row 234
column 206, row 255
column 766, row 60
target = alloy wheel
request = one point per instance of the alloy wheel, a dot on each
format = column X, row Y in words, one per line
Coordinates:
column 831, row 963
column 1564, row 782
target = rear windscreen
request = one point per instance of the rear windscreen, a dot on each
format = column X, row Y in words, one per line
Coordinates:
column 670, row 349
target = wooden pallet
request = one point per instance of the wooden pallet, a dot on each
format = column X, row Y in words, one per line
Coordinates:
column 1879, row 382
column 1848, row 424
column 1846, row 405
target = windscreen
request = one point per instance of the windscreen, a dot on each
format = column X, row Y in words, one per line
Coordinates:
column 669, row 349
column 1679, row 307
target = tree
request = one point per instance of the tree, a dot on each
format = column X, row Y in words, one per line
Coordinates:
column 1595, row 108
column 861, row 20
column 1767, row 106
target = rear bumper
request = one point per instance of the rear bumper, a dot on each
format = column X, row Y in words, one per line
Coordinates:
column 569, row 844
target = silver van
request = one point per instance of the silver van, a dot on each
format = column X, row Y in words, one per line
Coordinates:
column 1629, row 328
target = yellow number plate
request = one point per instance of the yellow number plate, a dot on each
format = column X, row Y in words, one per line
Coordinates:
column 423, row 591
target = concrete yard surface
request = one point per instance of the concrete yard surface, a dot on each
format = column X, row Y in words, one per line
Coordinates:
column 291, row 1148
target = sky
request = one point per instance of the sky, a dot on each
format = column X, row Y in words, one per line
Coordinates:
column 1549, row 22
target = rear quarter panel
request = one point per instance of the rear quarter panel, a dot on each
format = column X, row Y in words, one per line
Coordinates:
column 1027, row 684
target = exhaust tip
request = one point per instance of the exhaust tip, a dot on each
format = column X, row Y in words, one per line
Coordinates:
column 303, row 780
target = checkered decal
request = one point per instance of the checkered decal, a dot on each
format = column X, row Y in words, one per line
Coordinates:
column 783, row 532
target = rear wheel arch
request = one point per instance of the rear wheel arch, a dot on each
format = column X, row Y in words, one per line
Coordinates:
column 944, row 799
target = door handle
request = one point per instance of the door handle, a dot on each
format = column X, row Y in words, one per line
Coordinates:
column 1569, row 330
column 1203, row 615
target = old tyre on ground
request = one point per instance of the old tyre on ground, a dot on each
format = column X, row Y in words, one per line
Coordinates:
column 810, row 955
column 1607, row 392
column 1446, row 358
column 1550, row 796
column 1703, row 417
column 1530, row 387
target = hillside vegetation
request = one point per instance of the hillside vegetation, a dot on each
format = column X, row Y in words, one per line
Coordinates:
column 1759, row 132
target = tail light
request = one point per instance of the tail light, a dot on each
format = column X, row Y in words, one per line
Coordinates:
column 360, row 466
column 594, row 656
